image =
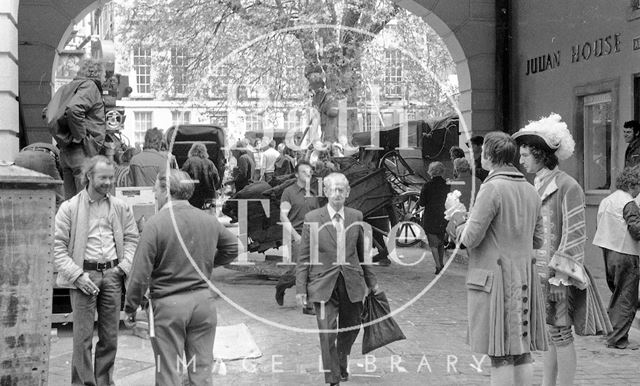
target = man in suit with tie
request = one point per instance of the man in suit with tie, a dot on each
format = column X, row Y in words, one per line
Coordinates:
column 331, row 275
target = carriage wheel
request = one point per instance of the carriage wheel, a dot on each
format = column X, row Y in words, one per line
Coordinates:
column 407, row 209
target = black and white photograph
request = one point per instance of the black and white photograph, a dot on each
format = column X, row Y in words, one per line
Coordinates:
column 311, row 192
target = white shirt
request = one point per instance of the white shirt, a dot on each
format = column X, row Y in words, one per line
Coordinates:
column 269, row 158
column 101, row 246
column 611, row 232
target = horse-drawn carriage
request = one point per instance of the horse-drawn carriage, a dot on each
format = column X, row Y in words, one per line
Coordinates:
column 385, row 186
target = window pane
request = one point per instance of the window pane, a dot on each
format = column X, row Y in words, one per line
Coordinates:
column 180, row 117
column 142, row 68
column 179, row 70
column 393, row 73
column 144, row 122
column 597, row 143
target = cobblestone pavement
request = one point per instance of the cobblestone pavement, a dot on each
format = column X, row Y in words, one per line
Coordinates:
column 434, row 352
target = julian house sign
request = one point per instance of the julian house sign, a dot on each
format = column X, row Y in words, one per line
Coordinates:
column 580, row 52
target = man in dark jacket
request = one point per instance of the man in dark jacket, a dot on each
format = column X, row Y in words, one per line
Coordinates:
column 631, row 131
column 244, row 168
column 476, row 148
column 176, row 273
column 85, row 117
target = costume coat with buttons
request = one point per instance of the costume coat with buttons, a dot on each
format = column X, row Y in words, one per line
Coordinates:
column 504, row 298
column 563, row 213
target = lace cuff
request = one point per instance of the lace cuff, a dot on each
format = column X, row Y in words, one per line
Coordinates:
column 560, row 279
column 568, row 271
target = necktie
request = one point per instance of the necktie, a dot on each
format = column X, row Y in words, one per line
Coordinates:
column 337, row 222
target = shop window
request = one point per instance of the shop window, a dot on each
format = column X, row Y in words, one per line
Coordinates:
column 597, row 122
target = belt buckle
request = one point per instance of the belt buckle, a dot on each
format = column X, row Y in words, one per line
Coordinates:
column 100, row 267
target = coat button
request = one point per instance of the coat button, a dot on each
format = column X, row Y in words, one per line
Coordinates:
column 524, row 334
column 524, row 287
column 499, row 262
column 525, row 299
column 525, row 311
column 526, row 322
column 533, row 261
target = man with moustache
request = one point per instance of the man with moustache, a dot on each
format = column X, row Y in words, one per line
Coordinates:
column 95, row 239
column 337, row 282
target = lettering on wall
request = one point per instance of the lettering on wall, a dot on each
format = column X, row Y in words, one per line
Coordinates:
column 599, row 47
column 543, row 63
column 636, row 43
column 580, row 52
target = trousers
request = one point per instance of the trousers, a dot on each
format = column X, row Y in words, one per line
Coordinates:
column 622, row 279
column 339, row 312
column 185, row 327
column 71, row 161
column 107, row 303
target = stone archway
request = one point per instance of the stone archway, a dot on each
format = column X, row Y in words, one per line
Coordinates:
column 466, row 26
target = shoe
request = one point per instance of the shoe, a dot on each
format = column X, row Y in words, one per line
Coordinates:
column 308, row 311
column 344, row 377
column 438, row 270
column 280, row 295
column 624, row 346
column 334, row 384
column 384, row 262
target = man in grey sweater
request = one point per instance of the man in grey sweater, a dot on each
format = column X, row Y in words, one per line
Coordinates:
column 178, row 249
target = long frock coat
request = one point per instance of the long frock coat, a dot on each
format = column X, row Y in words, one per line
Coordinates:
column 504, row 297
column 565, row 234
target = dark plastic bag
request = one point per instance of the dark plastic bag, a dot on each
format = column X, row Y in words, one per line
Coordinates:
column 382, row 332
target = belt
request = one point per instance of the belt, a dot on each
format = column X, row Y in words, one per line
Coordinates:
column 93, row 266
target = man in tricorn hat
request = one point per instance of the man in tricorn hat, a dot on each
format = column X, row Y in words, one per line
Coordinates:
column 571, row 297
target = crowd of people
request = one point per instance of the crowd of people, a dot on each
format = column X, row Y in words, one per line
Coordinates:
column 528, row 286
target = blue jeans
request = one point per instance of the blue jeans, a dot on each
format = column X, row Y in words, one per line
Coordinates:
column 107, row 303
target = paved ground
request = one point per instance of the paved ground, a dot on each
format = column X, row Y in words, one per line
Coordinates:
column 434, row 352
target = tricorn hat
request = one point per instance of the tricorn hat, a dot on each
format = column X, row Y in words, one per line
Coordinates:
column 548, row 133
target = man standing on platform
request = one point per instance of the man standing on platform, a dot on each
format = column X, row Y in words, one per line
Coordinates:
column 178, row 249
column 86, row 122
column 337, row 282
column 95, row 239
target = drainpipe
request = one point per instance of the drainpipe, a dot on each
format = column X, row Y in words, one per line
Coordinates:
column 503, row 65
column 9, row 120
